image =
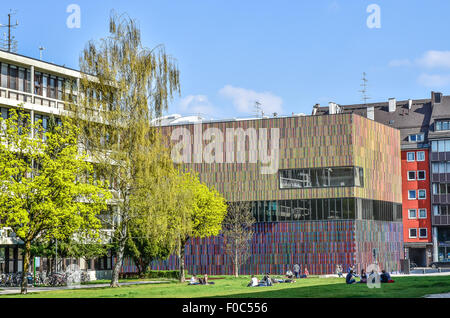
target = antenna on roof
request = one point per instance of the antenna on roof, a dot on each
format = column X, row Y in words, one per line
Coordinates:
column 258, row 109
column 9, row 43
column 363, row 91
column 41, row 49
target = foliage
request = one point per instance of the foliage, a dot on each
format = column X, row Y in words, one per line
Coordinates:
column 200, row 213
column 47, row 187
column 127, row 86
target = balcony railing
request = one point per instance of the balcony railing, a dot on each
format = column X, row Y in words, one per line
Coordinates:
column 441, row 220
column 26, row 97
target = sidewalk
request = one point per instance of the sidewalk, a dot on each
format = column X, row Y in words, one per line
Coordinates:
column 16, row 290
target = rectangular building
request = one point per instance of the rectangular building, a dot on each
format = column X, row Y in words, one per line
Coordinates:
column 333, row 198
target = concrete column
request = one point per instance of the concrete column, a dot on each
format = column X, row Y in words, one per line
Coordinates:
column 435, row 244
column 32, row 80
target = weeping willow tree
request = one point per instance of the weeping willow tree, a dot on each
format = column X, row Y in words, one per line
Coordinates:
column 123, row 87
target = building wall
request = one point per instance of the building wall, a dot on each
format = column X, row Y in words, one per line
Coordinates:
column 308, row 142
column 416, row 204
column 376, row 148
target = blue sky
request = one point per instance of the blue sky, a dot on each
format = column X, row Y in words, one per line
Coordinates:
column 288, row 55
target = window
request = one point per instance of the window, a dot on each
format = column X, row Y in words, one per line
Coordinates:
column 4, row 82
column 421, row 175
column 411, row 175
column 412, row 214
column 411, row 194
column 13, row 77
column 443, row 125
column 422, row 213
column 436, row 210
column 321, row 177
column 421, row 155
column 411, row 156
column 423, row 233
column 412, row 233
column 422, row 194
column 416, row 138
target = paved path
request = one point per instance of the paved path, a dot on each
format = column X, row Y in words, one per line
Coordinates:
column 16, row 290
column 447, row 295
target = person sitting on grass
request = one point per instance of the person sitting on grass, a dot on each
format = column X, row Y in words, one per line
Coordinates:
column 289, row 274
column 385, row 277
column 205, row 280
column 254, row 282
column 349, row 279
column 266, row 281
column 306, row 273
column 363, row 278
column 193, row 280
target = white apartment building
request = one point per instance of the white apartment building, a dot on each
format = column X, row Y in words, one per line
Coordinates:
column 38, row 86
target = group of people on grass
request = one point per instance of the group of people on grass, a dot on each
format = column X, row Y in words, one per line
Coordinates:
column 200, row 281
column 385, row 277
column 269, row 281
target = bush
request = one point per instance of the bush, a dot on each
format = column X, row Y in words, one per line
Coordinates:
column 174, row 274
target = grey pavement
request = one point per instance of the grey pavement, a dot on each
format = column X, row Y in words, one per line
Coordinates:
column 16, row 290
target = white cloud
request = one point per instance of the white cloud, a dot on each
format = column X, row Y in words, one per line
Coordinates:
column 434, row 80
column 197, row 104
column 244, row 100
column 432, row 59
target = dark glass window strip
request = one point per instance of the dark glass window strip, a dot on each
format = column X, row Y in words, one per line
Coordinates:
column 326, row 209
column 321, row 177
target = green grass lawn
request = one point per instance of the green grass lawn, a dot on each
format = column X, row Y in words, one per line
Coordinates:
column 232, row 287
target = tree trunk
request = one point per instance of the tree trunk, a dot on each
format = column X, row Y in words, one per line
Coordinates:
column 236, row 263
column 181, row 250
column 26, row 267
column 118, row 265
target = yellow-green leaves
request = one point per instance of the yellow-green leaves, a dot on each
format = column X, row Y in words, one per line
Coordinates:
column 42, row 194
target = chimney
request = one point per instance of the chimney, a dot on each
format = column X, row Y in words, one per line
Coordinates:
column 392, row 105
column 331, row 108
column 409, row 103
column 371, row 113
column 315, row 108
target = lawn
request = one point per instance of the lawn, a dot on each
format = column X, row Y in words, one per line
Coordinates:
column 232, row 287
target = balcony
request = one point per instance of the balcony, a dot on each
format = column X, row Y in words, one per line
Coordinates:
column 8, row 237
column 441, row 219
column 25, row 97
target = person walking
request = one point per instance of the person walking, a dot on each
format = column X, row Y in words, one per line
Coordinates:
column 296, row 270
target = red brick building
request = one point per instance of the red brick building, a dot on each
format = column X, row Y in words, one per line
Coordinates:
column 417, row 233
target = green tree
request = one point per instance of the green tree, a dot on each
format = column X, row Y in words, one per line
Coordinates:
column 200, row 214
column 44, row 194
column 127, row 86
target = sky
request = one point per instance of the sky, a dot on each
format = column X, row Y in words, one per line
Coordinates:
column 287, row 54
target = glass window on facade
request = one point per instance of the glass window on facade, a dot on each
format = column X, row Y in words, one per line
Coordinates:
column 412, row 194
column 421, row 156
column 321, row 177
column 412, row 233
column 416, row 138
column 422, row 213
column 4, row 75
column 411, row 156
column 421, row 175
column 423, row 233
column 325, row 209
column 13, row 77
column 443, row 125
column 412, row 214
column 422, row 194
column 411, row 175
